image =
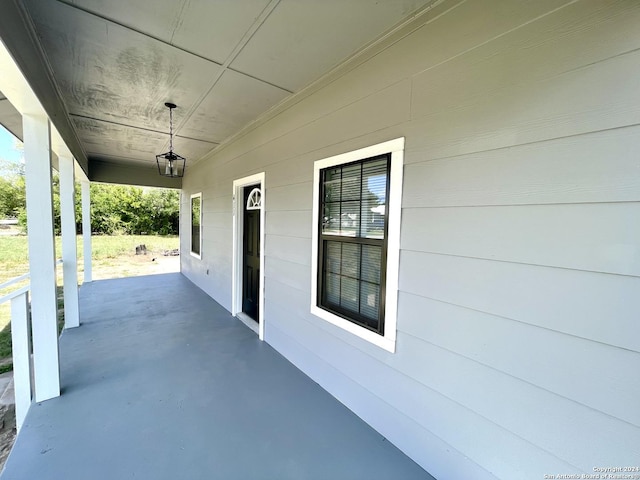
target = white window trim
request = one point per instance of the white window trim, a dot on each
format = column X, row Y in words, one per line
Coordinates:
column 193, row 254
column 394, row 204
column 236, row 273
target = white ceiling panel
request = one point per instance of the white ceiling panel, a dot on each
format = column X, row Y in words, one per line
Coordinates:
column 214, row 28
column 109, row 72
column 303, row 39
column 133, row 144
column 158, row 18
column 232, row 103
column 211, row 29
column 191, row 149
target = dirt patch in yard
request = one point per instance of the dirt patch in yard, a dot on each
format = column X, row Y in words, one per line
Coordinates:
column 134, row 266
column 7, row 431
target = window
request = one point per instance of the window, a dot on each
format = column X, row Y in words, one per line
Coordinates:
column 357, row 199
column 352, row 240
column 196, row 228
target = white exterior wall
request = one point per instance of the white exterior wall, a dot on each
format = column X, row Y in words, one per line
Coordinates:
column 519, row 305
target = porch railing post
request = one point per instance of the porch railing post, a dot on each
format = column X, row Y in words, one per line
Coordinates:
column 42, row 259
column 86, row 230
column 21, row 345
column 69, row 249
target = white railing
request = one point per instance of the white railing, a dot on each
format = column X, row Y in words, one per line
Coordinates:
column 20, row 344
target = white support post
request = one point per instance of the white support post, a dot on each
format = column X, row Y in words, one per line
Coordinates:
column 42, row 259
column 86, row 230
column 21, row 346
column 69, row 249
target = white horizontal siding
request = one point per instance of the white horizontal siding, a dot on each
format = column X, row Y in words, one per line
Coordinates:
column 490, row 340
column 280, row 197
column 289, row 273
column 592, row 98
column 293, row 223
column 541, row 50
column 543, row 418
column 580, row 169
column 518, row 351
column 595, row 306
column 292, row 249
column 597, row 237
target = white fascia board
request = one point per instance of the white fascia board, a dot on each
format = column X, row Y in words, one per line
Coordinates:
column 15, row 87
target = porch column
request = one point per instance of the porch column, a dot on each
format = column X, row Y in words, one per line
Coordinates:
column 69, row 249
column 42, row 259
column 86, row 230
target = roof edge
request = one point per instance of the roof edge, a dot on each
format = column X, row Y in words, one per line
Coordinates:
column 21, row 41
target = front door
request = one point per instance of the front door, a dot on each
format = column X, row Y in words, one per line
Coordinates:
column 251, row 251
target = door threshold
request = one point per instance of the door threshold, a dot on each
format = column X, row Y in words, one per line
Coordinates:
column 248, row 321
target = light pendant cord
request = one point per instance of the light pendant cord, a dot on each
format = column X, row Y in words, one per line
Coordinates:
column 171, row 130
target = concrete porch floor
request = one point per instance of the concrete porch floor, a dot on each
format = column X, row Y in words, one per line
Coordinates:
column 161, row 382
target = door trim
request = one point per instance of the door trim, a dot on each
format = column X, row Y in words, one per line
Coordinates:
column 238, row 228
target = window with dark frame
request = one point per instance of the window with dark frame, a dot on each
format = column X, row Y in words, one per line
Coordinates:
column 353, row 231
column 196, row 205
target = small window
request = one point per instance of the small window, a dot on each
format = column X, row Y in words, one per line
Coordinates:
column 196, row 227
column 356, row 241
column 254, row 200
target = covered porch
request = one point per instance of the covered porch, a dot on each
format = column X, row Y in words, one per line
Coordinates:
column 162, row 382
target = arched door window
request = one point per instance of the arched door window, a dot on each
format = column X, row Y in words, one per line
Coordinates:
column 254, row 200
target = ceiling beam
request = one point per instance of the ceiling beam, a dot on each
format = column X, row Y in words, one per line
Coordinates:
column 122, row 174
column 10, row 118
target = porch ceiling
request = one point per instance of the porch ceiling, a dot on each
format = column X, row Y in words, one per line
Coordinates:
column 223, row 63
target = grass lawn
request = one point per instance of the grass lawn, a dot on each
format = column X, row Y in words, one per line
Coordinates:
column 113, row 257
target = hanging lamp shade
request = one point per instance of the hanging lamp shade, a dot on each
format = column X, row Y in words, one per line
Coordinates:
column 170, row 164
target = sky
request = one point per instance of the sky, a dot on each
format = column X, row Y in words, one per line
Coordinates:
column 8, row 150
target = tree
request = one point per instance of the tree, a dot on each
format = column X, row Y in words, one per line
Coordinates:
column 119, row 209
column 10, row 169
column 12, row 196
column 115, row 209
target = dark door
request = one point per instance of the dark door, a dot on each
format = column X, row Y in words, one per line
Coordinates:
column 251, row 258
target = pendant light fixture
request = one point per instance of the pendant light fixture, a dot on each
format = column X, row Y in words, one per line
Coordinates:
column 170, row 164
